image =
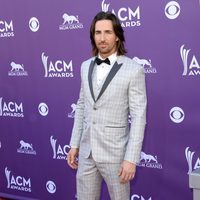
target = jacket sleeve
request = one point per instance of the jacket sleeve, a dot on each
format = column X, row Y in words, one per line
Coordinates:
column 78, row 119
column 137, row 109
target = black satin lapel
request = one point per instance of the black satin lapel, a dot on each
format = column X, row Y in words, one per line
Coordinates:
column 91, row 68
column 109, row 78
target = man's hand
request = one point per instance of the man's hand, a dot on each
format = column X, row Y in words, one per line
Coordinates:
column 127, row 171
column 71, row 158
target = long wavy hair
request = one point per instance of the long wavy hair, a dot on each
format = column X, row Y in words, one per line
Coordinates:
column 119, row 32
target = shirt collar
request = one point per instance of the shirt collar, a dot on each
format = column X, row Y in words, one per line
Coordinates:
column 112, row 58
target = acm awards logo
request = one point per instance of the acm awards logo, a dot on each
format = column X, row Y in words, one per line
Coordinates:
column 129, row 17
column 11, row 109
column 58, row 68
column 150, row 161
column 6, row 29
column 190, row 63
column 17, row 70
column 26, row 148
column 59, row 152
column 70, row 22
column 17, row 182
column 146, row 64
column 193, row 163
column 139, row 197
column 73, row 109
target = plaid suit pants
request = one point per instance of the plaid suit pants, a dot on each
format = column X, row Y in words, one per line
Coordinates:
column 89, row 179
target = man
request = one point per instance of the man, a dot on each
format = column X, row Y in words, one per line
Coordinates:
column 112, row 86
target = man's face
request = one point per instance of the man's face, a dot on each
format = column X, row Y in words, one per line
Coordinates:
column 105, row 38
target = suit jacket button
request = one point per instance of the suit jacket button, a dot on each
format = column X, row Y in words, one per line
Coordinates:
column 94, row 122
column 95, row 108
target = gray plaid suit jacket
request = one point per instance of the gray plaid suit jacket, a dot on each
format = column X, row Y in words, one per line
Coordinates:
column 101, row 124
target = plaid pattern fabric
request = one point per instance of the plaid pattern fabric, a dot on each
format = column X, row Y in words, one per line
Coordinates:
column 101, row 127
column 89, row 178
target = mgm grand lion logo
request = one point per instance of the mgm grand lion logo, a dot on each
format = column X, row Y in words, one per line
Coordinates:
column 146, row 64
column 70, row 22
column 26, row 148
column 70, row 19
column 17, row 70
column 147, row 160
column 16, row 67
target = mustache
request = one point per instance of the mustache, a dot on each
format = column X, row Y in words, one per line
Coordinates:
column 100, row 43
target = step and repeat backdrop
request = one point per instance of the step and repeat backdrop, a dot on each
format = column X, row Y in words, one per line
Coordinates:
column 42, row 45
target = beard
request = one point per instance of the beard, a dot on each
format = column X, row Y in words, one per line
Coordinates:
column 105, row 48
